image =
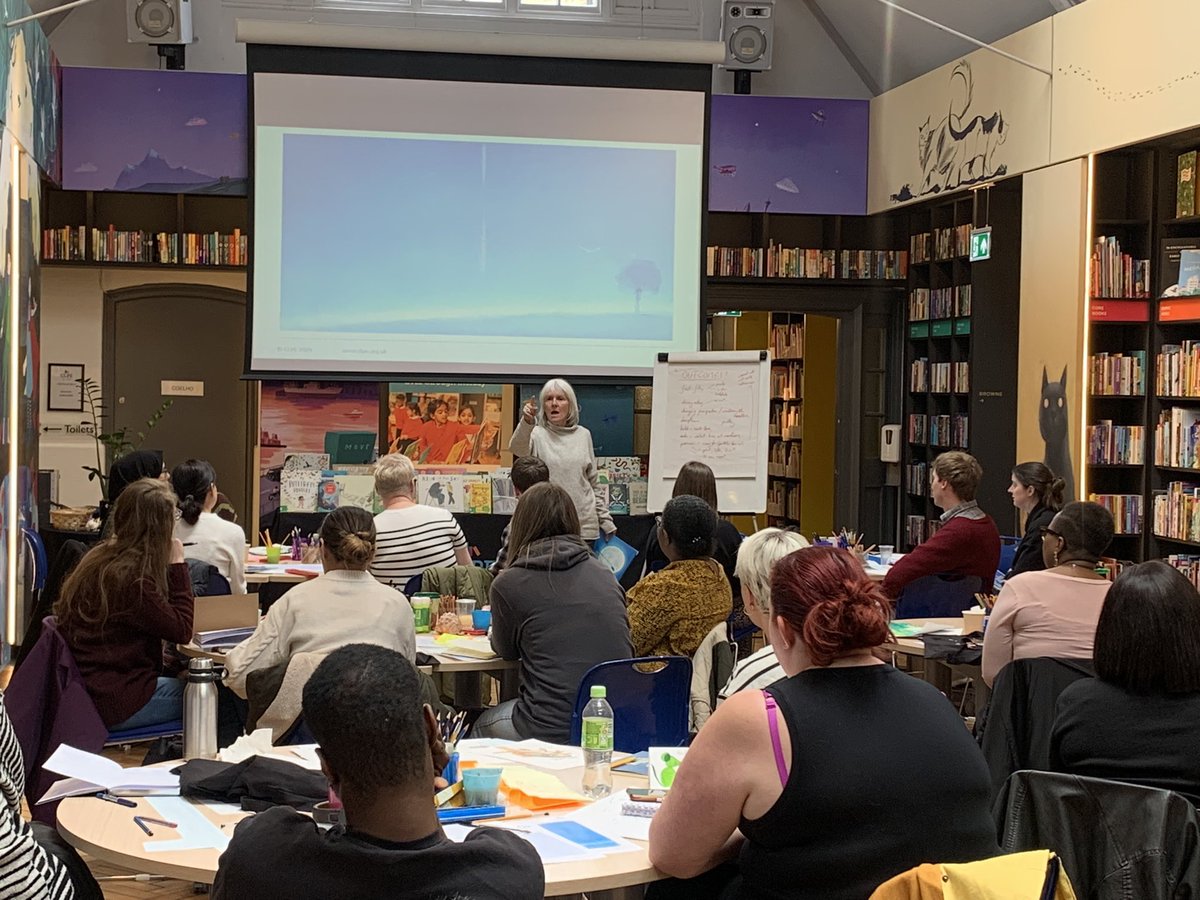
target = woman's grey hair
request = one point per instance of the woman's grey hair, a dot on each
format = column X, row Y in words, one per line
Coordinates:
column 757, row 554
column 395, row 475
column 559, row 386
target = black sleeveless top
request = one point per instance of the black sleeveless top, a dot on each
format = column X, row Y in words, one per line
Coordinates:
column 883, row 777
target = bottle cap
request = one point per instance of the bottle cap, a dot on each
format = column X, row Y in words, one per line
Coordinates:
column 199, row 663
column 599, row 691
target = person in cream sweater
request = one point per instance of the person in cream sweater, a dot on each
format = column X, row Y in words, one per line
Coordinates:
column 553, row 434
column 346, row 605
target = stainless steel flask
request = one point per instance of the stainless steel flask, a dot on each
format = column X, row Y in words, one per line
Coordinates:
column 200, row 711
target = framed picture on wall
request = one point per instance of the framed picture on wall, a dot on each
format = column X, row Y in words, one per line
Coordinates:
column 64, row 387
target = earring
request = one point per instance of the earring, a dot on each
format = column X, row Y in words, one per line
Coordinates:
column 1056, row 557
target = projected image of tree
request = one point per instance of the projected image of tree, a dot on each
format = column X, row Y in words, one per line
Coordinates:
column 435, row 236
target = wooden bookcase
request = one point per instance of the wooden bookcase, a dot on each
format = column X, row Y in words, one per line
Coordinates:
column 960, row 343
column 854, row 378
column 202, row 214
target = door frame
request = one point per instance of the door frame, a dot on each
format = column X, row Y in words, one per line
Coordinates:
column 189, row 291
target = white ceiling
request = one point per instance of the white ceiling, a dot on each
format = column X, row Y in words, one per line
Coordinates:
column 887, row 48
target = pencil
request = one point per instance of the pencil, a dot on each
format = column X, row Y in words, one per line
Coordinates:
column 159, row 821
column 142, row 825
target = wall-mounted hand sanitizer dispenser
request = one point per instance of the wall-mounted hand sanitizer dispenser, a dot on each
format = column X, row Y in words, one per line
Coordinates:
column 889, row 444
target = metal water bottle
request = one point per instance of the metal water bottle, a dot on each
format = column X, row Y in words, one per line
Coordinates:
column 200, row 711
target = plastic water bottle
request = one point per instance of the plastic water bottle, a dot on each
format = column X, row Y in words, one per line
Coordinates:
column 200, row 711
column 597, row 742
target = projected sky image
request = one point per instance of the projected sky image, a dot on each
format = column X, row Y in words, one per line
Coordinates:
column 473, row 238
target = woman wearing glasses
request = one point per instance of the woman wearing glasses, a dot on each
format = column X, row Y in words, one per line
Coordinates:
column 1053, row 612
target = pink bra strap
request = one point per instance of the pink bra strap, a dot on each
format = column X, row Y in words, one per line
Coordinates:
column 773, row 724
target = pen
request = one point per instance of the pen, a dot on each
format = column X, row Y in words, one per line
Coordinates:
column 142, row 825
column 105, row 795
column 159, row 822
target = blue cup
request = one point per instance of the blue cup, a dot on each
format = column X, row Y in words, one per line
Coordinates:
column 482, row 619
column 481, row 786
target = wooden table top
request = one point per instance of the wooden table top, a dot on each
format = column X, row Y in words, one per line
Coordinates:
column 445, row 664
column 107, row 831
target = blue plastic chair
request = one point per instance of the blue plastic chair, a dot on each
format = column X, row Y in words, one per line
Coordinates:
column 145, row 733
column 650, row 709
column 1008, row 551
column 937, row 596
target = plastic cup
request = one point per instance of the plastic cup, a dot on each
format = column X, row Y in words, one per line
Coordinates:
column 482, row 619
column 481, row 787
column 885, row 554
column 466, row 612
column 420, row 607
column 274, row 553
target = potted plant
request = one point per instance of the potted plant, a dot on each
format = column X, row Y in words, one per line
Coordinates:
column 113, row 444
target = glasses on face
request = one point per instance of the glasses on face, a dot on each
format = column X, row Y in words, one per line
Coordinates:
column 1048, row 531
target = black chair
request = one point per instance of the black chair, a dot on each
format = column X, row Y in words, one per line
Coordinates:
column 65, row 560
column 1117, row 841
column 938, row 596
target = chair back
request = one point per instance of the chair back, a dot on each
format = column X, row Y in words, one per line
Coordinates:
column 938, row 596
column 650, row 708
column 1008, row 552
column 712, row 664
column 65, row 561
column 1115, row 839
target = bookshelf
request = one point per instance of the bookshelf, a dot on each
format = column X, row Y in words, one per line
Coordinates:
column 960, row 383
column 863, row 355
column 109, row 228
column 803, row 417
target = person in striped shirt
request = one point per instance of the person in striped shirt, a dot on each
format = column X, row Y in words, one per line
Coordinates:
column 35, row 864
column 755, row 557
column 410, row 537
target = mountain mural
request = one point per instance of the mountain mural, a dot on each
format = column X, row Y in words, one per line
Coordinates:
column 153, row 169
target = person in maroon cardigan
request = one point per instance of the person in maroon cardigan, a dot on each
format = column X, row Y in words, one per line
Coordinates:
column 128, row 595
column 967, row 543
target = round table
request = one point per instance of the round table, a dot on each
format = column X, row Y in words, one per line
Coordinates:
column 107, row 831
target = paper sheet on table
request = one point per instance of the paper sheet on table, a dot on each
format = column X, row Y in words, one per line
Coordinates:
column 258, row 743
column 195, row 832
column 605, row 816
column 457, row 646
column 554, row 849
column 533, row 752
column 536, row 790
column 88, row 773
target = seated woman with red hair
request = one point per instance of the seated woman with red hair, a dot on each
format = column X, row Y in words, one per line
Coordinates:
column 831, row 780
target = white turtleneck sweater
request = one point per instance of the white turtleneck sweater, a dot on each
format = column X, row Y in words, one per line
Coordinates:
column 568, row 454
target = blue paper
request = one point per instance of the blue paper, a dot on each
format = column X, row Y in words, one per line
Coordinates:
column 580, row 835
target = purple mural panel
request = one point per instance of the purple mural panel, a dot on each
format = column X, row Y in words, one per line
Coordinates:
column 788, row 154
column 158, row 131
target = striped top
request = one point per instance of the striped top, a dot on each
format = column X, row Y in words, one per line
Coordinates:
column 27, row 871
column 408, row 541
column 759, row 670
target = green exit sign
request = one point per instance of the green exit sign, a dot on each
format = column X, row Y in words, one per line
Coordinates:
column 981, row 244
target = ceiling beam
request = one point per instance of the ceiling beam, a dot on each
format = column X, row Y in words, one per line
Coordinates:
column 844, row 47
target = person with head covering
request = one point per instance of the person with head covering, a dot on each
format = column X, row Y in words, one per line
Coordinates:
column 549, row 429
column 124, row 471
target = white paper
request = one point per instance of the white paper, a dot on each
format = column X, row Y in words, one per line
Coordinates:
column 605, row 817
column 715, row 417
column 539, row 754
column 457, row 832
column 195, row 832
column 551, row 848
column 89, row 772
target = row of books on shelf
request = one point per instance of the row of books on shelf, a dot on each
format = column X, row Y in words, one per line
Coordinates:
column 1178, row 371
column 1177, row 438
column 939, row 431
column 918, row 529
column 163, row 247
column 786, row 383
column 1116, row 445
column 783, row 458
column 1118, row 374
column 1126, row 511
column 941, row 243
column 916, row 478
column 787, row 341
column 1117, row 274
column 939, row 378
column 939, row 303
column 777, row 261
column 783, row 500
column 1176, row 511
column 308, row 483
column 1188, row 564
column 786, row 420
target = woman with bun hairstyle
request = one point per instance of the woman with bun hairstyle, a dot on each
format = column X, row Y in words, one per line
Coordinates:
column 549, row 429
column 787, row 780
column 1037, row 492
column 672, row 610
column 346, row 605
column 204, row 534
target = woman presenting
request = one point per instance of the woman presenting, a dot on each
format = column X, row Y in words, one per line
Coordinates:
column 555, row 436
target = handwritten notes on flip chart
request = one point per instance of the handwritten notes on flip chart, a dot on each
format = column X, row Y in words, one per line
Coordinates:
column 714, row 416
